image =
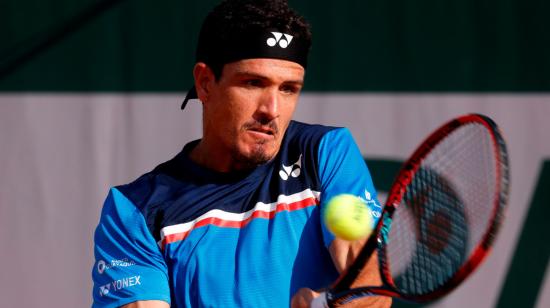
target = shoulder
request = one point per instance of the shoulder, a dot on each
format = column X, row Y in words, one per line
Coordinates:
column 152, row 191
column 136, row 190
column 315, row 135
column 303, row 132
column 160, row 184
column 304, row 144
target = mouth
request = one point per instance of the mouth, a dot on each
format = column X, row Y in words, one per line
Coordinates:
column 262, row 133
column 263, row 130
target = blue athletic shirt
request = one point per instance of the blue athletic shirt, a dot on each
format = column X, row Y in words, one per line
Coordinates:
column 193, row 237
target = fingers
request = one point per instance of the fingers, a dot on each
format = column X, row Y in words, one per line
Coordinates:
column 303, row 298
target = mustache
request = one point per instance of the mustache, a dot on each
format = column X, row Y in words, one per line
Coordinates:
column 271, row 126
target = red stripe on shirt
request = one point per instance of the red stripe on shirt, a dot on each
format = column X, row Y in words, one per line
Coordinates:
column 219, row 222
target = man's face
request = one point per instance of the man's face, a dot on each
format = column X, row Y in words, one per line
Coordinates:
column 247, row 111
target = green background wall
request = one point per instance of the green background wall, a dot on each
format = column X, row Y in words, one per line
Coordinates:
column 399, row 45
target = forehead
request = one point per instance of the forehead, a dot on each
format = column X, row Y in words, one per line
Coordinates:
column 275, row 69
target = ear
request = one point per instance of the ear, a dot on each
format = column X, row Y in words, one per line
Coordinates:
column 204, row 77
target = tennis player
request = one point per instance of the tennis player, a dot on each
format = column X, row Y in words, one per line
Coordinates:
column 234, row 219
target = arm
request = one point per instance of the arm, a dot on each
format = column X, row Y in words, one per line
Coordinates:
column 343, row 170
column 343, row 254
column 129, row 266
column 147, row 304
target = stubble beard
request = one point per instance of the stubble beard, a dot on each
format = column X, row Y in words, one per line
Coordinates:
column 260, row 152
column 258, row 156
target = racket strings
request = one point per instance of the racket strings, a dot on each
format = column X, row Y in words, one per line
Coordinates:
column 467, row 159
column 444, row 212
column 468, row 163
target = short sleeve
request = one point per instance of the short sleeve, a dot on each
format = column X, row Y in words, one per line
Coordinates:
column 342, row 169
column 129, row 265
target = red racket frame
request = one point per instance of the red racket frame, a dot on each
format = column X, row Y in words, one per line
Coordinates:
column 340, row 291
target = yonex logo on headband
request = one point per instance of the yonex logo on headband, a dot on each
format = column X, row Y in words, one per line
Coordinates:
column 278, row 38
column 217, row 50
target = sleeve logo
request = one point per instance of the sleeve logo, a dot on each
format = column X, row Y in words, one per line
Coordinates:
column 102, row 266
column 372, row 203
column 120, row 284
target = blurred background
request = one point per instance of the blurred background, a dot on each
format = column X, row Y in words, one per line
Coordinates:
column 90, row 93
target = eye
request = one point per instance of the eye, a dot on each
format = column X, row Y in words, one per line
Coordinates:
column 290, row 89
column 253, row 83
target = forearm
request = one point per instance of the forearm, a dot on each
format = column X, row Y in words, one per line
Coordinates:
column 343, row 254
column 147, row 304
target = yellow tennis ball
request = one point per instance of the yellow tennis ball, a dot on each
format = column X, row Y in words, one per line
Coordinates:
column 348, row 217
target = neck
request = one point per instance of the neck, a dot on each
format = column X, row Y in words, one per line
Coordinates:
column 215, row 159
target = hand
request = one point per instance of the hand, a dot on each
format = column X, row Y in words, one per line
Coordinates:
column 303, row 298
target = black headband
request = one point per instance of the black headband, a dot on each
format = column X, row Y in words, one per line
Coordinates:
column 270, row 44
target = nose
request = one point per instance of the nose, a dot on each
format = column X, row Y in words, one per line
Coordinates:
column 268, row 108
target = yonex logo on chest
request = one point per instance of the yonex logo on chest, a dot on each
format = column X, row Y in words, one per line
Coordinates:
column 293, row 170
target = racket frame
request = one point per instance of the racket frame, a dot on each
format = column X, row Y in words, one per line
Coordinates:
column 341, row 292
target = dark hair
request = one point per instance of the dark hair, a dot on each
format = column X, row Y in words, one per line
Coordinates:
column 231, row 20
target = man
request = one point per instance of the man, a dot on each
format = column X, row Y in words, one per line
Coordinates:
column 234, row 219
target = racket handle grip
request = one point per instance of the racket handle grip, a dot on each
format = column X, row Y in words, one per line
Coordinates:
column 320, row 301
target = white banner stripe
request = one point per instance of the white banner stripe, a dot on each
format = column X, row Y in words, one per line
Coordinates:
column 228, row 216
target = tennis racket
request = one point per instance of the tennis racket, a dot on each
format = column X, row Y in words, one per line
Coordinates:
column 440, row 218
